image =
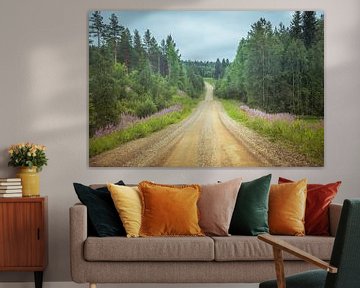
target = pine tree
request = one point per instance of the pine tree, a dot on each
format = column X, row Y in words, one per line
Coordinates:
column 217, row 72
column 309, row 27
column 154, row 55
column 96, row 27
column 316, row 71
column 147, row 41
column 125, row 48
column 295, row 61
column 112, row 34
column 139, row 52
column 173, row 61
column 257, row 63
column 102, row 92
column 223, row 67
column 295, row 26
column 164, row 71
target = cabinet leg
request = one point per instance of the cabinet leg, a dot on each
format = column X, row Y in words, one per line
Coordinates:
column 38, row 279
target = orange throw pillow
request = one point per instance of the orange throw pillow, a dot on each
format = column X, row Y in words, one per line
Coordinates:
column 319, row 197
column 287, row 204
column 169, row 210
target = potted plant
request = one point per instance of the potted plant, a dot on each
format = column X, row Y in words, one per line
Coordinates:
column 30, row 158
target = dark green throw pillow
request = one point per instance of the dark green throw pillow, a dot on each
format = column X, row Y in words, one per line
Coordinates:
column 250, row 216
column 103, row 218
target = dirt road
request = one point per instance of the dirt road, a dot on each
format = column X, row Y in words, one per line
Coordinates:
column 208, row 138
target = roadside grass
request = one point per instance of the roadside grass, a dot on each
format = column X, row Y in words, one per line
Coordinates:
column 142, row 129
column 302, row 135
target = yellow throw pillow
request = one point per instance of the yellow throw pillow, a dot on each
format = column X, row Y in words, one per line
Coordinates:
column 127, row 201
column 287, row 204
column 169, row 210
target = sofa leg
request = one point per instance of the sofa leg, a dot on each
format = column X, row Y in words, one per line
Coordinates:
column 92, row 285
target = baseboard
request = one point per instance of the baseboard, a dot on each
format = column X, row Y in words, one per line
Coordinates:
column 74, row 285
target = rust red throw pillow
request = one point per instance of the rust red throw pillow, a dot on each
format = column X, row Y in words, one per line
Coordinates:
column 319, row 197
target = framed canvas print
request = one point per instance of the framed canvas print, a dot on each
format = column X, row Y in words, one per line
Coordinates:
column 206, row 88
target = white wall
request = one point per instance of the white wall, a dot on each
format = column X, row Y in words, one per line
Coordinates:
column 43, row 88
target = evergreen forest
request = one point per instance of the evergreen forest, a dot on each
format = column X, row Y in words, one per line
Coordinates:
column 133, row 74
column 279, row 69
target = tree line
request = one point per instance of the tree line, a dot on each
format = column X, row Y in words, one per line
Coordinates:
column 209, row 69
column 279, row 69
column 133, row 73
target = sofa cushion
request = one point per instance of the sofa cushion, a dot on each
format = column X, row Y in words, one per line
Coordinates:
column 102, row 216
column 250, row 215
column 287, row 204
column 149, row 249
column 244, row 248
column 127, row 201
column 169, row 210
column 318, row 199
column 216, row 206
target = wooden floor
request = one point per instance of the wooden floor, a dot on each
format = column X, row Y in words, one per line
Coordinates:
column 74, row 285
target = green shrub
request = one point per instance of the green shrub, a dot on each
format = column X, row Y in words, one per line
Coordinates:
column 145, row 108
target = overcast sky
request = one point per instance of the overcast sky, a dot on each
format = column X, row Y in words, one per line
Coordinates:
column 199, row 35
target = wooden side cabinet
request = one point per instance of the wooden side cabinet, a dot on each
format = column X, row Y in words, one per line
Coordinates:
column 23, row 235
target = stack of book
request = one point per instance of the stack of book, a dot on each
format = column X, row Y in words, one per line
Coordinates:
column 10, row 187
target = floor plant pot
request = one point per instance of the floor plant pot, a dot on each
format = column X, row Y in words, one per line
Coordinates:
column 30, row 181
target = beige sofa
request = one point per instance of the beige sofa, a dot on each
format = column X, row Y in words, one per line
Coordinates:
column 234, row 259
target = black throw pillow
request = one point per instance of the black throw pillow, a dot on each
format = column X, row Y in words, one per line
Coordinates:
column 103, row 218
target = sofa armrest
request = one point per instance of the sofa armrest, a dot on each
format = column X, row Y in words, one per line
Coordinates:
column 334, row 217
column 78, row 235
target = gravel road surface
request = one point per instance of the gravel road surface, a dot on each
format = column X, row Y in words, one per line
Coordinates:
column 207, row 138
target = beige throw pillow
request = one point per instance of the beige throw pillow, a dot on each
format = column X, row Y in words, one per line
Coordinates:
column 216, row 206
